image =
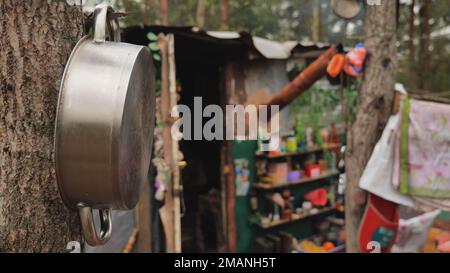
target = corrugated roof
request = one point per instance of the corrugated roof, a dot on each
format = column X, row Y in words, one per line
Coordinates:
column 263, row 47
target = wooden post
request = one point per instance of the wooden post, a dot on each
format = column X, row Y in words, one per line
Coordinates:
column 230, row 82
column 374, row 109
column 171, row 211
column 166, row 212
column 143, row 221
column 174, row 166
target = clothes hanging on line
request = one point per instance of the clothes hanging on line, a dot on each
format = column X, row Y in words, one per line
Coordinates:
column 383, row 173
column 380, row 169
column 425, row 149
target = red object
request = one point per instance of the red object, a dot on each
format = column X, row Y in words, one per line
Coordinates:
column 354, row 61
column 274, row 153
column 357, row 56
column 317, row 197
column 336, row 65
column 313, row 170
column 378, row 225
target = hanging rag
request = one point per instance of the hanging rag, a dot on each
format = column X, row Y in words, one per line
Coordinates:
column 380, row 170
column 421, row 203
column 425, row 149
column 412, row 233
column 425, row 204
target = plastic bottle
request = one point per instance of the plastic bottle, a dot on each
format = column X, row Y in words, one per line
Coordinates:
column 357, row 56
column 354, row 61
column 336, row 65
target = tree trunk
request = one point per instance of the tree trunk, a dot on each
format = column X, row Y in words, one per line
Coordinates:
column 374, row 109
column 412, row 47
column 424, row 48
column 223, row 14
column 164, row 12
column 201, row 10
column 315, row 21
column 36, row 39
column 148, row 6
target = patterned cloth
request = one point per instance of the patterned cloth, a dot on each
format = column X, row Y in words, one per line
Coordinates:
column 425, row 149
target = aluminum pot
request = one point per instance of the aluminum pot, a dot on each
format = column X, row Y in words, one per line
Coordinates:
column 104, row 126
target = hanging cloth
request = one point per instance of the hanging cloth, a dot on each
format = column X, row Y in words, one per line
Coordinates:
column 381, row 168
column 425, row 149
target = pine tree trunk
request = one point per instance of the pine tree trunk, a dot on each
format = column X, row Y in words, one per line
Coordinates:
column 36, row 38
column 424, row 48
column 374, row 108
column 201, row 9
column 411, row 45
column 148, row 6
column 223, row 14
column 315, row 21
column 164, row 12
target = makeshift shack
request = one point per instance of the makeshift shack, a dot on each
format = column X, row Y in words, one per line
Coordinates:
column 222, row 68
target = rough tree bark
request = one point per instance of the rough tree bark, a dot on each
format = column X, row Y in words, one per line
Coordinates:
column 36, row 39
column 374, row 108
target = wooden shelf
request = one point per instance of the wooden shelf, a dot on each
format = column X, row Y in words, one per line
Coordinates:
column 267, row 186
column 307, row 151
column 295, row 218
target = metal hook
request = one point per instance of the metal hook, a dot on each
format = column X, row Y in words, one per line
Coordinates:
column 103, row 21
column 88, row 225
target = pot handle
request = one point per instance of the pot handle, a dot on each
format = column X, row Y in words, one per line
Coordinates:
column 102, row 24
column 88, row 225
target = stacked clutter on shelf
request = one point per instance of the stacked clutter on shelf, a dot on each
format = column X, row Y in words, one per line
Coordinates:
column 329, row 238
column 296, row 187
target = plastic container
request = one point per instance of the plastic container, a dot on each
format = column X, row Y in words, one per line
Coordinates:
column 313, row 171
column 336, row 65
column 291, row 145
column 354, row 61
column 294, row 176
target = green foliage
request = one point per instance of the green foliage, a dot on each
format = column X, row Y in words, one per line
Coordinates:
column 153, row 47
column 436, row 78
column 310, row 108
column 291, row 20
column 152, row 37
column 156, row 54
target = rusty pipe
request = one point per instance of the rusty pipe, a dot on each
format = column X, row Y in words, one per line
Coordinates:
column 303, row 81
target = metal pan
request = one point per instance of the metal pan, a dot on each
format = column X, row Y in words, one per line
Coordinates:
column 104, row 126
